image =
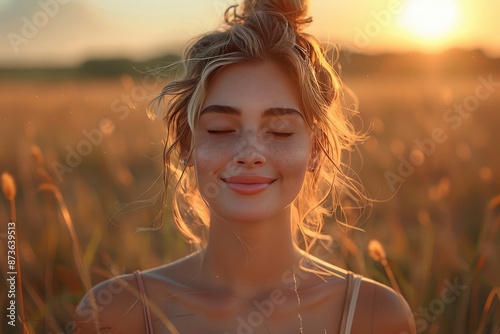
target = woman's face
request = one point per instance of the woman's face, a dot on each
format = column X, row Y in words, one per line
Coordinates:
column 252, row 144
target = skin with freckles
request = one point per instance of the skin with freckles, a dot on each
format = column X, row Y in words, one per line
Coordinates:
column 252, row 150
column 251, row 138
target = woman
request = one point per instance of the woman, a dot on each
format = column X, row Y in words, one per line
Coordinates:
column 255, row 137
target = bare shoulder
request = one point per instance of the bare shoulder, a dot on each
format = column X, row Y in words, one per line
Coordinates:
column 384, row 310
column 113, row 306
column 379, row 309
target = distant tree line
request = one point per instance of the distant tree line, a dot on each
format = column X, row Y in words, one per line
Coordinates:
column 96, row 68
column 452, row 63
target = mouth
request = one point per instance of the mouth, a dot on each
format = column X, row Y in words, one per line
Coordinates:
column 248, row 184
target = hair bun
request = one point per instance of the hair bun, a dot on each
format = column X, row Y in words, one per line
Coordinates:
column 295, row 11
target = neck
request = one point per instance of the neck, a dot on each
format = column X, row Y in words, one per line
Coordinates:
column 245, row 257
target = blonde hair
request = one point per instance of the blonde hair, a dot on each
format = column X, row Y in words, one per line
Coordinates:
column 269, row 30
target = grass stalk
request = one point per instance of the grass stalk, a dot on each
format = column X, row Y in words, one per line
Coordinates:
column 377, row 252
column 77, row 251
column 487, row 310
column 9, row 191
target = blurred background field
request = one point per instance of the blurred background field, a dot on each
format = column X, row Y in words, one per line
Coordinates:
column 101, row 150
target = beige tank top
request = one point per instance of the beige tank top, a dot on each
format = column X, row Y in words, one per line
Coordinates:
column 352, row 291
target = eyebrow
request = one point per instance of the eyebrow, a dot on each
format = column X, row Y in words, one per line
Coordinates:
column 270, row 112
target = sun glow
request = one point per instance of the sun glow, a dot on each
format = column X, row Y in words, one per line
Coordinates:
column 430, row 19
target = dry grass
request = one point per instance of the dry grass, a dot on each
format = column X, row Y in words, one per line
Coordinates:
column 434, row 230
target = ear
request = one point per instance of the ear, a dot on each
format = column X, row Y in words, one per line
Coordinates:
column 314, row 158
column 186, row 159
column 186, row 150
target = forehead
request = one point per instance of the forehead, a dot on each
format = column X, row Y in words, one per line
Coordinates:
column 252, row 86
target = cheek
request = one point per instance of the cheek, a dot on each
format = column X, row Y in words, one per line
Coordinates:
column 205, row 166
column 208, row 152
column 295, row 154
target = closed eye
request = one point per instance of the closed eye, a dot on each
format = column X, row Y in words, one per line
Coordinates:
column 219, row 132
column 281, row 134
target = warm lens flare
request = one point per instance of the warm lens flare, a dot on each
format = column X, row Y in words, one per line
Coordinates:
column 430, row 19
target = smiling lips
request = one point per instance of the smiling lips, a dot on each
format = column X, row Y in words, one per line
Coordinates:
column 248, row 184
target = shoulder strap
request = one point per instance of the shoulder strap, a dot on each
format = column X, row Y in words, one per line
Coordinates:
column 351, row 297
column 145, row 304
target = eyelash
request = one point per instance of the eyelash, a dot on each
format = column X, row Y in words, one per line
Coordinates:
column 225, row 132
column 219, row 132
column 281, row 134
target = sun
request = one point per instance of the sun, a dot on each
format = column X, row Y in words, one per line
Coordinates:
column 430, row 19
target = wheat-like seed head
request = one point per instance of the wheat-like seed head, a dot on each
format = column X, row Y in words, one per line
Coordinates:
column 37, row 155
column 8, row 186
column 376, row 251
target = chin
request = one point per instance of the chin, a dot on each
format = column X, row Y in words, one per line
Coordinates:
column 249, row 214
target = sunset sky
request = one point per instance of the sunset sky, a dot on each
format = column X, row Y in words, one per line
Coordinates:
column 66, row 32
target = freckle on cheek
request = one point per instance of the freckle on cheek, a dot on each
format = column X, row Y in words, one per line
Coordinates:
column 207, row 153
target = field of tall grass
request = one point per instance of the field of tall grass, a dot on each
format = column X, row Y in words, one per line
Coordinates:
column 81, row 149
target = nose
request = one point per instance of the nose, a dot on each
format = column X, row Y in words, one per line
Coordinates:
column 249, row 151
